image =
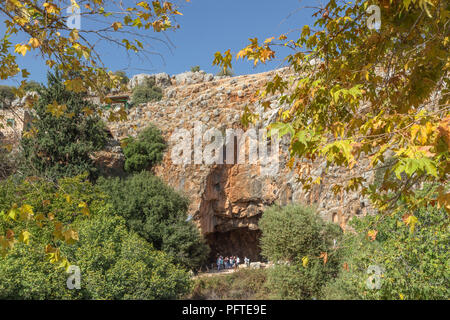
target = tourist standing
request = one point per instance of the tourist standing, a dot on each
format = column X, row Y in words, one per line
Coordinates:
column 237, row 262
column 219, row 263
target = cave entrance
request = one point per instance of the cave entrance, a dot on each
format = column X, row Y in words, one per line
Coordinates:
column 239, row 242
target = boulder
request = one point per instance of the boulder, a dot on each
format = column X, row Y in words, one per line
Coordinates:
column 190, row 77
column 162, row 80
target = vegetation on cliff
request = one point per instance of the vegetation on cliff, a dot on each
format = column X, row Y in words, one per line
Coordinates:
column 146, row 92
column 145, row 151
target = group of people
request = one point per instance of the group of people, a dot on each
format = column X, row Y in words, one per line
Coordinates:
column 230, row 262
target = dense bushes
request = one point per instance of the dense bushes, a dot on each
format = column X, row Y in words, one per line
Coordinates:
column 64, row 136
column 144, row 151
column 115, row 263
column 118, row 264
column 301, row 245
column 148, row 91
column 158, row 214
column 413, row 258
column 410, row 257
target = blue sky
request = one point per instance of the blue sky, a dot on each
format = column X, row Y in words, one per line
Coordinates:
column 206, row 26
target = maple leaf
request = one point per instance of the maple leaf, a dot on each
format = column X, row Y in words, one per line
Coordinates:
column 117, row 26
column 410, row 220
column 345, row 266
column 372, row 234
column 25, row 237
column 35, row 43
column 22, row 49
column 51, row 8
column 75, row 85
column 324, row 255
column 70, row 236
column 305, row 261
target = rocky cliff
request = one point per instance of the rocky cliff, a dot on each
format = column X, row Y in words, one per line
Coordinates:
column 228, row 199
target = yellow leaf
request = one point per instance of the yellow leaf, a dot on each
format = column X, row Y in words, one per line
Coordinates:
column 75, row 85
column 117, row 26
column 144, row 4
column 305, row 261
column 410, row 220
column 372, row 234
column 70, row 236
column 35, row 43
column 269, row 40
column 74, row 36
column 25, row 237
column 22, row 49
column 75, row 4
column 84, row 208
column 50, row 63
column 26, row 211
column 51, row 8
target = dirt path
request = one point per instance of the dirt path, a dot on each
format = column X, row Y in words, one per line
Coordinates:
column 214, row 273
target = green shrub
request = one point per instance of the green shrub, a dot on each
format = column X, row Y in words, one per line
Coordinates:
column 63, row 141
column 114, row 262
column 145, row 151
column 158, row 214
column 118, row 264
column 123, row 76
column 32, row 86
column 415, row 263
column 195, row 68
column 6, row 95
column 146, row 92
column 295, row 238
column 226, row 73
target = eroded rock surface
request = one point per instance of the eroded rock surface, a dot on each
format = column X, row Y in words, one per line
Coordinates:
column 227, row 200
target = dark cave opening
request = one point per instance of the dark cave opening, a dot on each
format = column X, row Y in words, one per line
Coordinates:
column 238, row 242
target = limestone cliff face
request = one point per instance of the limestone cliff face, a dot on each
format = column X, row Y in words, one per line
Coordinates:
column 227, row 200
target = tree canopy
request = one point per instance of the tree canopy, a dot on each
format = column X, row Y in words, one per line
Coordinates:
column 355, row 93
column 52, row 29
